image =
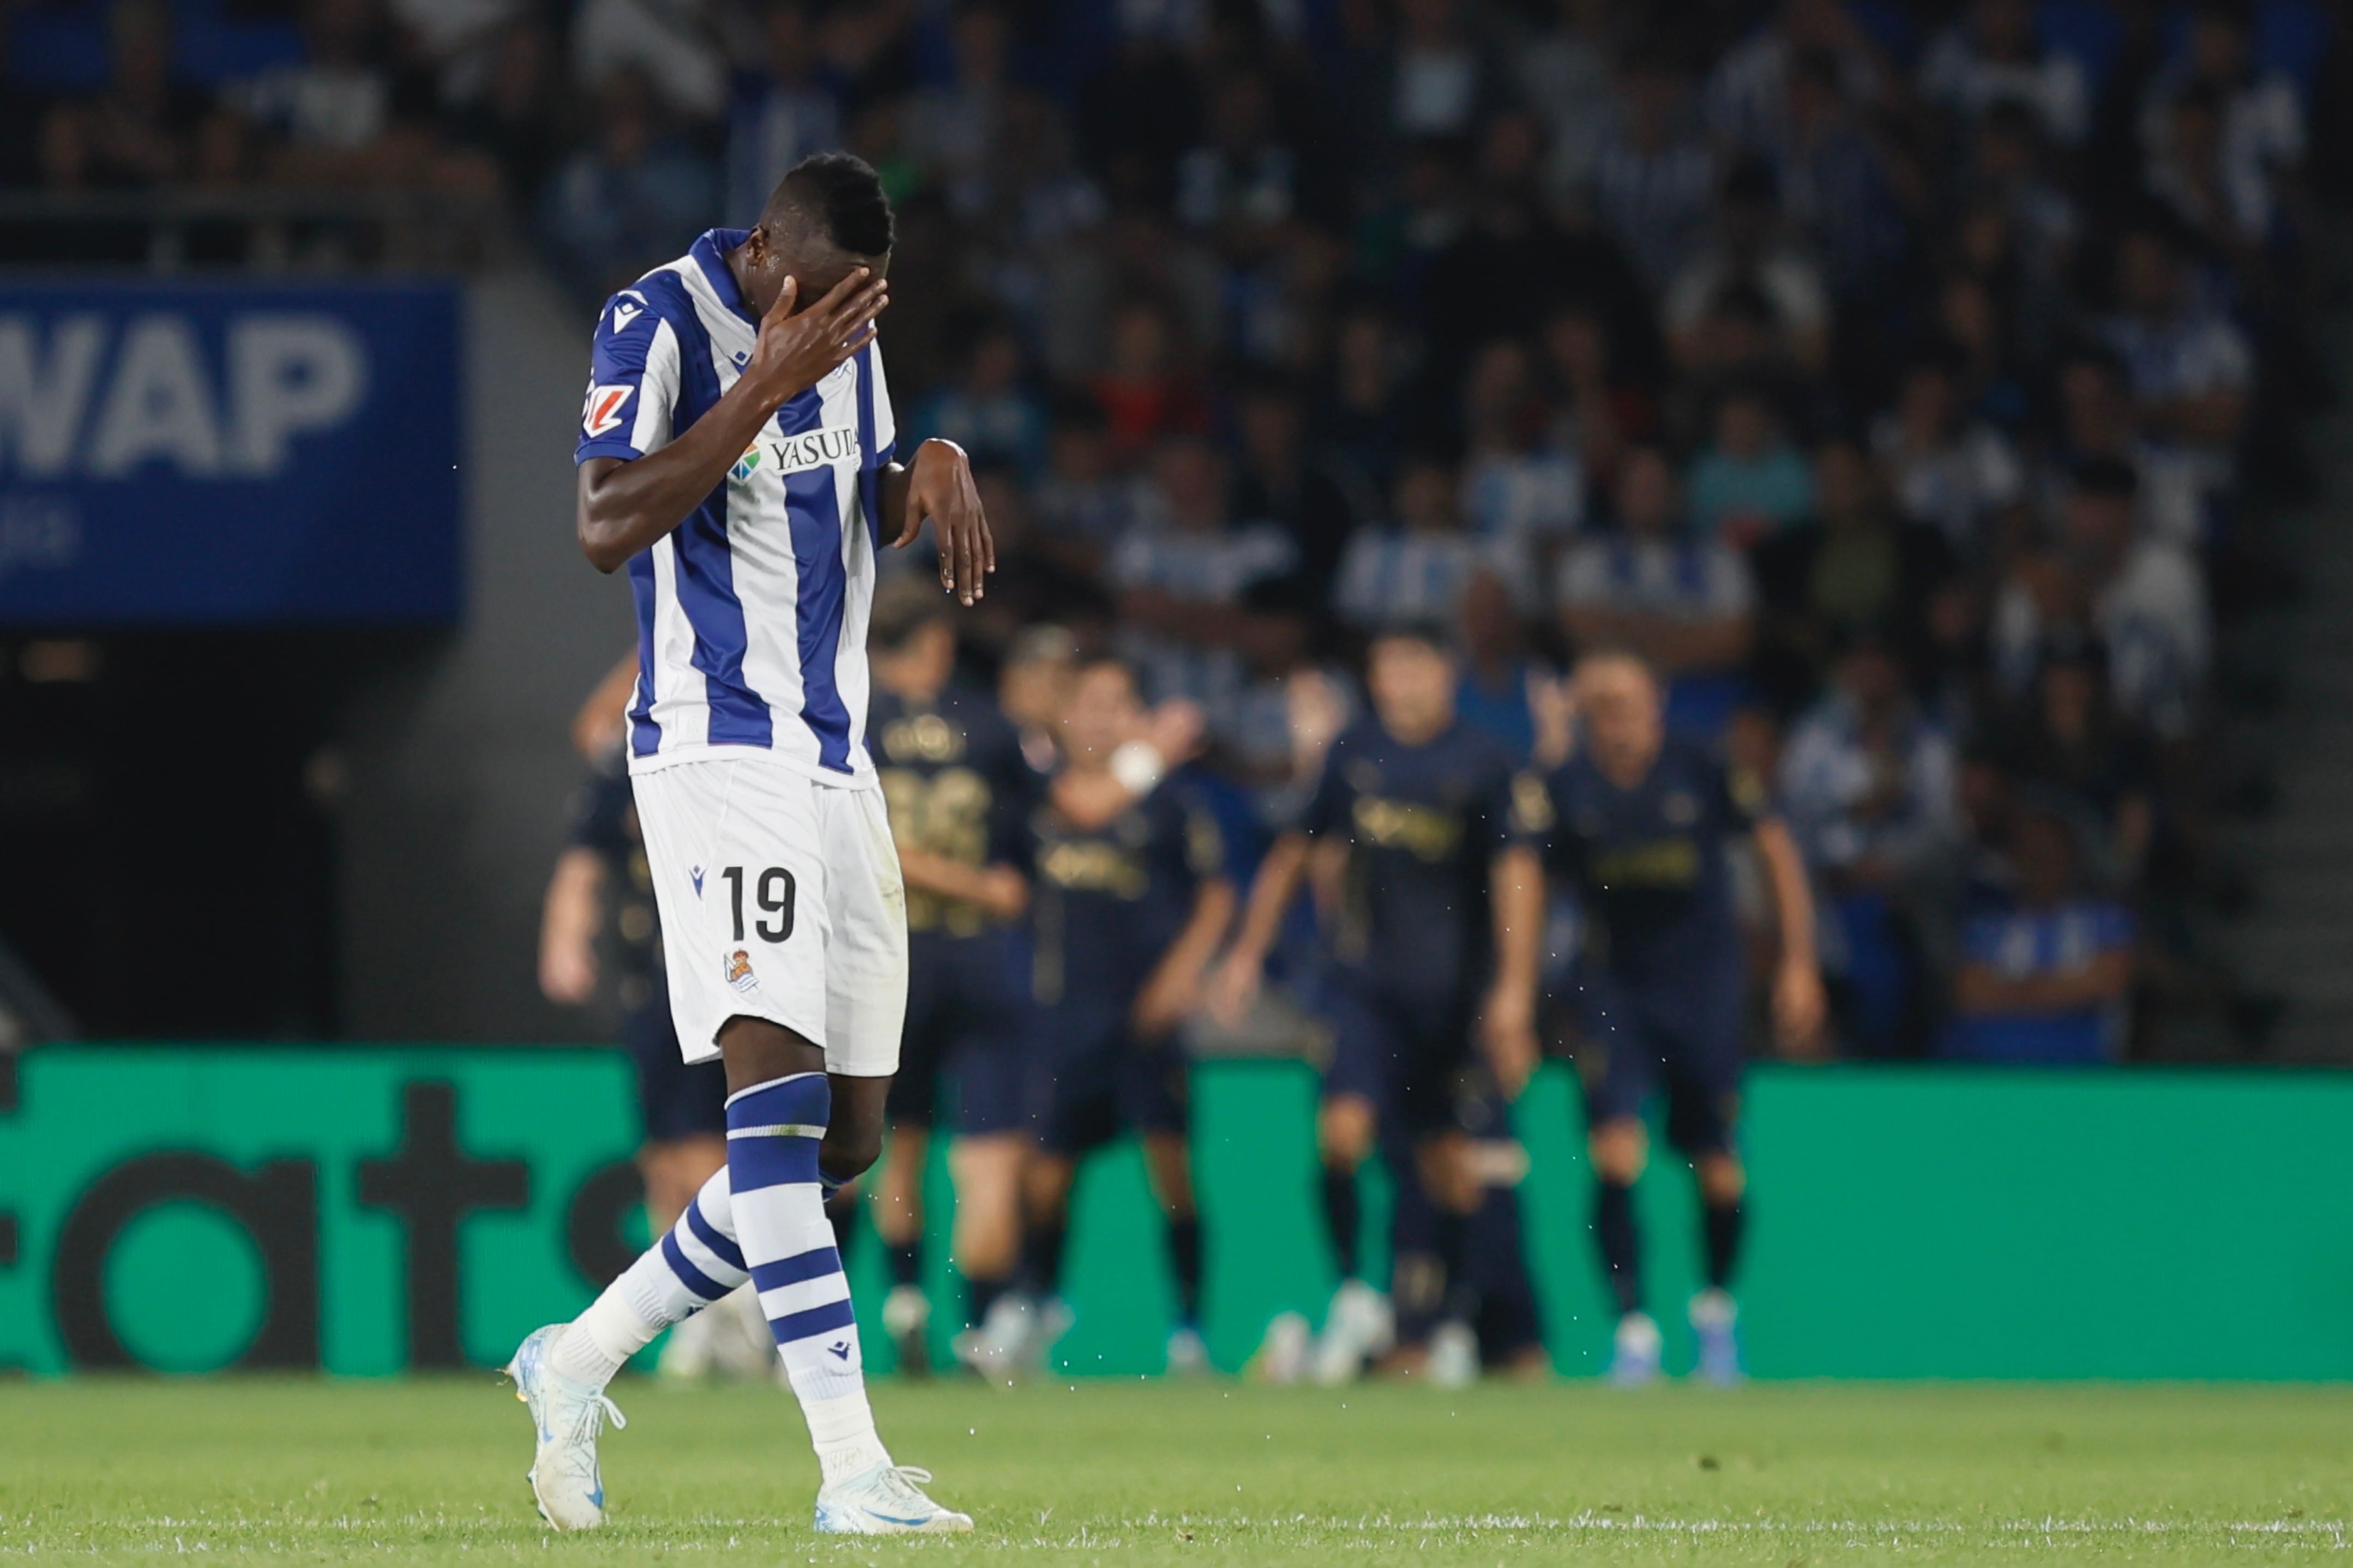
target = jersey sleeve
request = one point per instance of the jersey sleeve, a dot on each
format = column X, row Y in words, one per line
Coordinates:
column 876, row 389
column 633, row 378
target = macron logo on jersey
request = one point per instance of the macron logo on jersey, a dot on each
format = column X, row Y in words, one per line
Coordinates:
column 602, row 411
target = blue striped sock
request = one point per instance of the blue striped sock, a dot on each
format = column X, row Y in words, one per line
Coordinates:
column 693, row 1265
column 773, row 1133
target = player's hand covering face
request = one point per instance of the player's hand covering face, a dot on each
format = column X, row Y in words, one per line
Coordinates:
column 794, row 352
column 940, row 486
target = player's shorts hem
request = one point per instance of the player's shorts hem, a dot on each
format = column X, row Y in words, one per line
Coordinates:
column 671, row 756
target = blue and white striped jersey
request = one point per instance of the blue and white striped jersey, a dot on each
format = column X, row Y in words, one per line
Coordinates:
column 752, row 614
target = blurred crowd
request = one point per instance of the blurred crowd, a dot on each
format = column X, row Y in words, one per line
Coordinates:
column 1909, row 383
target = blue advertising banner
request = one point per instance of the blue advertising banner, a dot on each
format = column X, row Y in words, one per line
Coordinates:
column 193, row 454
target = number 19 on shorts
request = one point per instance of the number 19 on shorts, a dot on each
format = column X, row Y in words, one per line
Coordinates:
column 772, row 893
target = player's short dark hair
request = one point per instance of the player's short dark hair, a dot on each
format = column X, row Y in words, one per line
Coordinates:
column 904, row 608
column 841, row 196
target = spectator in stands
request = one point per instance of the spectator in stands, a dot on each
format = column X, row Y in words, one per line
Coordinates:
column 2097, row 421
column 1189, row 583
column 1839, row 184
column 146, row 128
column 1516, row 485
column 1413, row 570
column 990, row 411
column 1563, row 67
column 632, row 194
column 1855, row 567
column 1751, row 482
column 1144, row 392
column 1654, row 171
column 788, row 110
column 1686, row 605
column 1749, row 95
column 2228, row 205
column 1444, row 79
column 2087, row 758
column 1947, row 470
column 2190, row 370
column 1277, row 482
column 2046, row 967
column 1083, row 506
column 2262, row 131
column 1993, row 56
column 1751, row 258
column 1359, row 420
column 1867, row 783
column 2143, row 598
column 329, row 119
column 512, row 122
column 669, row 44
column 955, row 129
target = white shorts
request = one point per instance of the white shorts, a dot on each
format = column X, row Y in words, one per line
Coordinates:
column 780, row 899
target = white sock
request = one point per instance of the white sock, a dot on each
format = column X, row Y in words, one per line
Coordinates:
column 693, row 1265
column 778, row 1209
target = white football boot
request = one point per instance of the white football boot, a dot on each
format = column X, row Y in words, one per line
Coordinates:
column 993, row 1347
column 568, row 1415
column 1634, row 1351
column 1453, row 1354
column 1282, row 1355
column 1188, row 1355
column 907, row 1318
column 1359, row 1326
column 885, row 1501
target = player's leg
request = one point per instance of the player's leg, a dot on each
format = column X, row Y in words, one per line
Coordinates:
column 1359, row 1322
column 909, row 1108
column 1704, row 1068
column 988, row 1168
column 1156, row 1099
column 1077, row 1107
column 560, row 1371
column 862, row 980
column 1615, row 1067
column 990, row 1111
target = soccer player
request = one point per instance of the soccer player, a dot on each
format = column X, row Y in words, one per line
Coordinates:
column 1423, row 826
column 1131, row 903
column 1644, row 825
column 736, row 454
column 960, row 796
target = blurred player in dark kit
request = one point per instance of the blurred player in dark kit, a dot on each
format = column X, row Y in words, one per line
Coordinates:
column 1131, row 903
column 1421, row 836
column 1644, row 824
column 960, row 796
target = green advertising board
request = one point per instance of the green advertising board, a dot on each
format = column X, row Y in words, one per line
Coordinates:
column 370, row 1210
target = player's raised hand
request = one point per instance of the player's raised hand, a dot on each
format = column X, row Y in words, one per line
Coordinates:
column 798, row 349
column 940, row 486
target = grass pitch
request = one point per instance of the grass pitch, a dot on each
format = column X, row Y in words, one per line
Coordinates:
column 431, row 1472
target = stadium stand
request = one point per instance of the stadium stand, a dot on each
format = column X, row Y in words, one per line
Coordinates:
column 1919, row 386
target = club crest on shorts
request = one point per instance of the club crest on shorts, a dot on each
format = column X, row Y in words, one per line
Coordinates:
column 738, row 969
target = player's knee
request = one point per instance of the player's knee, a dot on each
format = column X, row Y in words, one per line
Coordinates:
column 1722, row 1178
column 850, row 1150
column 1448, row 1176
column 1619, row 1150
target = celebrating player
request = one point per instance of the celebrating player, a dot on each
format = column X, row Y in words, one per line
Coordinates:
column 960, row 796
column 736, row 454
column 1131, row 903
column 1436, row 930
column 1644, row 824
